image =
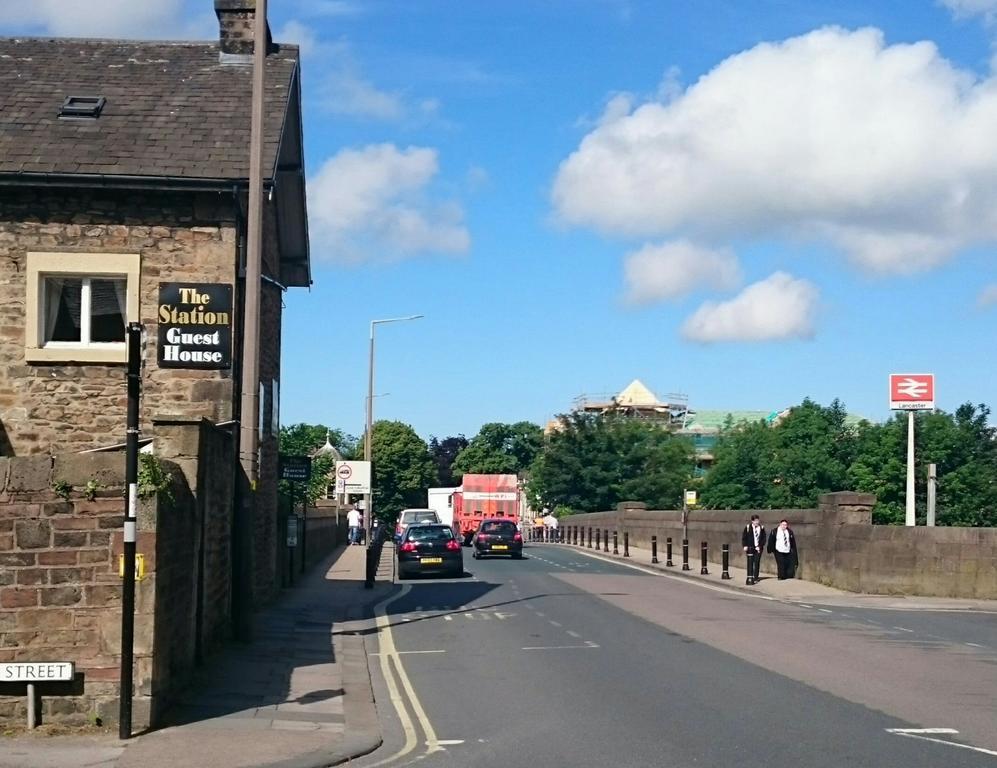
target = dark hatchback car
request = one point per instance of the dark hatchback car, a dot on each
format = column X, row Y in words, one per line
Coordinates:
column 497, row 537
column 429, row 549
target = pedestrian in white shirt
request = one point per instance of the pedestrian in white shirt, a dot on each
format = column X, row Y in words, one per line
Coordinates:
column 353, row 521
column 782, row 544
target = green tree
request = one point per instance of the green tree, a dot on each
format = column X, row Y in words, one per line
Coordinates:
column 303, row 440
column 500, row 449
column 963, row 447
column 403, row 469
column 740, row 477
column 444, row 452
column 593, row 462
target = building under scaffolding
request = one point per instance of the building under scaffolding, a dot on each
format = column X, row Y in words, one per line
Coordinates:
column 639, row 402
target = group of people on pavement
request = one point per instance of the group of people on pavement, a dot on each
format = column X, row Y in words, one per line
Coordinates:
column 780, row 543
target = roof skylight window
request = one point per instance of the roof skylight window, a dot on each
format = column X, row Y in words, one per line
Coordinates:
column 82, row 106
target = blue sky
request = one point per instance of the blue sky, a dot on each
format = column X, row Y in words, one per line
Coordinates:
column 747, row 202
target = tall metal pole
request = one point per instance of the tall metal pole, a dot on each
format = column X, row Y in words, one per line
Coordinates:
column 911, row 517
column 254, row 257
column 368, row 429
column 131, row 506
column 932, row 492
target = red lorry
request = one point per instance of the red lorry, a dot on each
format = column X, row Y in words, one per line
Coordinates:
column 483, row 496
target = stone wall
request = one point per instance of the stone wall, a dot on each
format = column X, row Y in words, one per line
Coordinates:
column 61, row 593
column 56, row 408
column 838, row 545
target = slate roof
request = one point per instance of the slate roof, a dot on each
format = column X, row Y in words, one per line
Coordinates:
column 172, row 110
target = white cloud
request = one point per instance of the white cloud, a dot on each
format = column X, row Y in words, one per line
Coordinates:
column 162, row 19
column 345, row 92
column 298, row 34
column 884, row 151
column 988, row 296
column 779, row 307
column 965, row 8
column 370, row 204
column 670, row 270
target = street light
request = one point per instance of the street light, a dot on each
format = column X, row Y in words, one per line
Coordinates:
column 368, row 498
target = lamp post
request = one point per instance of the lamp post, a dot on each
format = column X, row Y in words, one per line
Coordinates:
column 368, row 498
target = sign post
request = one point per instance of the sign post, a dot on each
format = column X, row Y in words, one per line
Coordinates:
column 911, row 392
column 297, row 469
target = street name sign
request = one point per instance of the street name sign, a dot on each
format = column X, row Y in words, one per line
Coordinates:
column 352, row 477
column 912, row 391
column 36, row 671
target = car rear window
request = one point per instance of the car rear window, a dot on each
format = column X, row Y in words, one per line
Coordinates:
column 430, row 533
column 428, row 516
column 498, row 528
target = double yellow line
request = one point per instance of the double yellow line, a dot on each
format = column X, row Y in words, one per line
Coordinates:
column 400, row 689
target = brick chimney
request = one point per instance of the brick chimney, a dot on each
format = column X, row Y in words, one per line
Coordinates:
column 236, row 23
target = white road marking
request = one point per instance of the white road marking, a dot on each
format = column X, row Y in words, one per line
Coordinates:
column 560, row 647
column 441, row 650
column 554, row 623
column 804, row 605
column 573, row 634
column 904, row 629
column 448, row 618
column 541, row 615
column 975, row 645
column 824, row 610
column 690, row 581
column 919, row 733
column 449, row 742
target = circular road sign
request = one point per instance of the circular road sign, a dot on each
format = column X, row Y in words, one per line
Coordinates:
column 344, row 472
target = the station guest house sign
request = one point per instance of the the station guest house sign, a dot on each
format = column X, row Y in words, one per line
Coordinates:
column 195, row 325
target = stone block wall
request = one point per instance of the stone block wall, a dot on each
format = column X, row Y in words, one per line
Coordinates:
column 60, row 592
column 838, row 545
column 57, row 408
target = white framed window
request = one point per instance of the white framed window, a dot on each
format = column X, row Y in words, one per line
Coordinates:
column 78, row 306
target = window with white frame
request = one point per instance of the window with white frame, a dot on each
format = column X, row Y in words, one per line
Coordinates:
column 79, row 306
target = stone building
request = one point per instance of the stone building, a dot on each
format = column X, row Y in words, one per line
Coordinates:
column 123, row 195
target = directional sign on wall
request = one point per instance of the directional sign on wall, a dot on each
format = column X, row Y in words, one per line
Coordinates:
column 912, row 391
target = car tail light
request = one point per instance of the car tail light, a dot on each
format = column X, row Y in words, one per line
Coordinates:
column 518, row 537
column 408, row 546
column 452, row 545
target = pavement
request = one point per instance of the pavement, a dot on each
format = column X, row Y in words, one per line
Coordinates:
column 791, row 590
column 297, row 696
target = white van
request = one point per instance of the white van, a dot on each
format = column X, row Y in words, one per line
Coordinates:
column 410, row 516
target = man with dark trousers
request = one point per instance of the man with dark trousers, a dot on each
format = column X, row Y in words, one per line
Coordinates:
column 782, row 544
column 752, row 542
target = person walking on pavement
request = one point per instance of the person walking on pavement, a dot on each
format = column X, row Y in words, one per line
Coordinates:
column 353, row 521
column 782, row 544
column 752, row 542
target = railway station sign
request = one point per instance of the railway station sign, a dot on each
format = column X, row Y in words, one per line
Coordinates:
column 912, row 391
column 195, row 325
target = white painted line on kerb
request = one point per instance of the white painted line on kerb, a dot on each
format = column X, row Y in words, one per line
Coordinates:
column 921, row 733
column 693, row 582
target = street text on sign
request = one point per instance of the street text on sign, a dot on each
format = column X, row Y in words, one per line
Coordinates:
column 195, row 325
column 36, row 671
column 912, row 391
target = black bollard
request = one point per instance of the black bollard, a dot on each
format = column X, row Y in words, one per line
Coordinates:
column 590, row 538
column 668, row 553
column 626, row 543
column 575, row 536
column 598, row 539
column 704, row 552
column 616, row 539
column 725, row 573
column 605, row 541
column 750, row 556
column 685, row 554
column 654, row 550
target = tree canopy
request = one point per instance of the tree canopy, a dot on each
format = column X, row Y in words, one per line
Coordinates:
column 444, row 452
column 403, row 469
column 500, row 449
column 813, row 450
column 593, row 462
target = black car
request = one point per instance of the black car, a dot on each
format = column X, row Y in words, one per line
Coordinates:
column 496, row 536
column 429, row 549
